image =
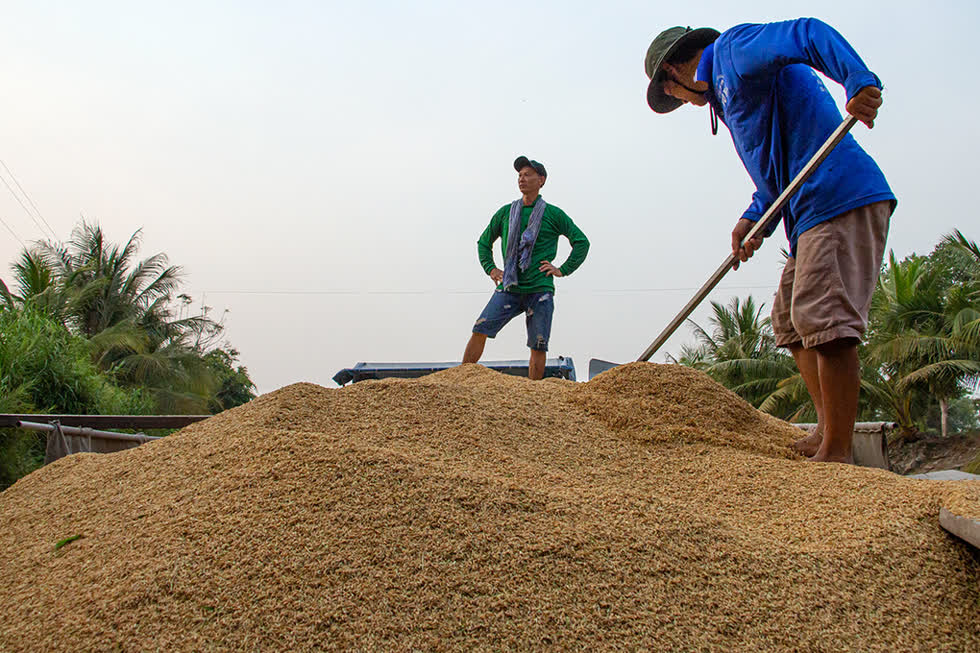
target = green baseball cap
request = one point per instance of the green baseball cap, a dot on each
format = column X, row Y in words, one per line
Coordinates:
column 667, row 44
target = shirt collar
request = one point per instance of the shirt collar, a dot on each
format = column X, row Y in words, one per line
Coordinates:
column 705, row 65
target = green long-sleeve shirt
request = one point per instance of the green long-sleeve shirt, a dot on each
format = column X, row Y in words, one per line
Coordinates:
column 554, row 223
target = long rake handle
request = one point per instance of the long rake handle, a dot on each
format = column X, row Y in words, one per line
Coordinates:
column 767, row 218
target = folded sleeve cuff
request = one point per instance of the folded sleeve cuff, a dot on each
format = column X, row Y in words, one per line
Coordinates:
column 856, row 81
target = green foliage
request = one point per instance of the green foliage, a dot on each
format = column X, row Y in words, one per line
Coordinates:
column 740, row 353
column 122, row 307
column 235, row 386
column 18, row 447
column 46, row 369
column 924, row 334
column 973, row 467
column 7, row 300
column 920, row 363
column 956, row 261
column 52, row 368
column 87, row 328
column 962, row 415
column 106, row 283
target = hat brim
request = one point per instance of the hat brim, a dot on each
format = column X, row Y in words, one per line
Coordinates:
column 656, row 98
column 522, row 162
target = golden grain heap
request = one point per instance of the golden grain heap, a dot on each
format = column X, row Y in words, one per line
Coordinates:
column 649, row 509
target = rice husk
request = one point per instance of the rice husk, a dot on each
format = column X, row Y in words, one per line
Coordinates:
column 647, row 509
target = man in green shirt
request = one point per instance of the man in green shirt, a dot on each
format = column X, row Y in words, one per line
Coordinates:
column 528, row 230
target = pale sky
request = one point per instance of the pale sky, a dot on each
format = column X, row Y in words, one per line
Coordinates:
column 322, row 170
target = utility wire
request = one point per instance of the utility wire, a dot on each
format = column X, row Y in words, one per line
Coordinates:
column 26, row 210
column 461, row 292
column 16, row 237
column 24, row 192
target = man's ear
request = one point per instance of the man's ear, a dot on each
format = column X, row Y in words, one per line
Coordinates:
column 544, row 180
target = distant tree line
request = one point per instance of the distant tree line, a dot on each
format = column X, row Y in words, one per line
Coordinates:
column 86, row 328
column 920, row 359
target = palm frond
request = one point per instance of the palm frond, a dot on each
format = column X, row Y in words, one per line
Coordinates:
column 959, row 240
column 33, row 273
column 946, row 373
column 9, row 302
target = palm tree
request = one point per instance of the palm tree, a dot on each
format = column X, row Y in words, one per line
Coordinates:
column 166, row 357
column 740, row 353
column 106, row 291
column 883, row 398
column 35, row 284
column 122, row 307
column 926, row 336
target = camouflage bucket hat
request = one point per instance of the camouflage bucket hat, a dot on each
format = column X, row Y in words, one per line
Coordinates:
column 669, row 43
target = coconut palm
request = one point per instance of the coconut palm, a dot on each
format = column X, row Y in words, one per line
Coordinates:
column 107, row 287
column 164, row 356
column 123, row 309
column 35, row 284
column 740, row 353
column 883, row 398
column 926, row 334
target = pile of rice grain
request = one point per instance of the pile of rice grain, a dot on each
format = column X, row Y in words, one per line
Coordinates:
column 647, row 509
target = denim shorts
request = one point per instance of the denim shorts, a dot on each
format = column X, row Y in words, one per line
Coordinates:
column 504, row 306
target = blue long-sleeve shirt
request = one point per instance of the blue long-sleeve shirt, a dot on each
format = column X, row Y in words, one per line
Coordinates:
column 764, row 88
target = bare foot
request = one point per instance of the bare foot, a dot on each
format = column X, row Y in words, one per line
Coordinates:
column 827, row 458
column 809, row 445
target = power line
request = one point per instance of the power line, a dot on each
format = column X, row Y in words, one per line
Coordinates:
column 346, row 292
column 684, row 289
column 24, row 192
column 464, row 292
column 16, row 237
column 26, row 210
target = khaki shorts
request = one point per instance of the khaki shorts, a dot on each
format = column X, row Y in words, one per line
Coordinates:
column 825, row 291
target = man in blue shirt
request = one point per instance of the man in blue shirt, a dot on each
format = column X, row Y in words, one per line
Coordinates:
column 759, row 80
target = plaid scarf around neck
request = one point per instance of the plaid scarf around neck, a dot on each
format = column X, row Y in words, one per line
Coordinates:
column 520, row 246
